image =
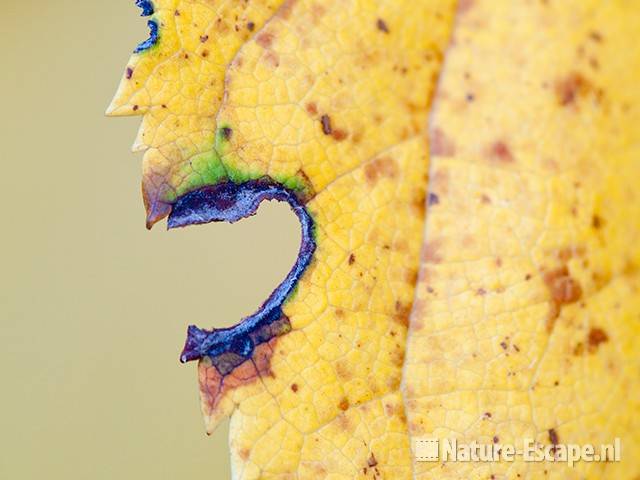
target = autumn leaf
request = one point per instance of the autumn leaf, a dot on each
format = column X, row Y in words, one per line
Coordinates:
column 464, row 176
column 527, row 311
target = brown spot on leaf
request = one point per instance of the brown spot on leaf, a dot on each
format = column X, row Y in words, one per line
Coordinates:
column 418, row 202
column 441, row 144
column 380, row 167
column 352, row 259
column 500, row 152
column 265, row 39
column 402, row 314
column 567, row 253
column 596, row 222
column 129, row 73
column 294, row 387
column 431, row 252
column 221, row 25
column 596, row 337
column 343, row 370
column 325, row 121
column 312, row 108
column 339, row 135
column 317, row 12
column 569, row 88
column 308, row 191
column 464, row 6
column 344, row 404
column 578, row 350
column 372, row 462
column 564, row 290
column 251, row 26
column 226, row 132
column 382, row 26
column 412, row 277
column 204, row 38
column 389, row 409
column 553, row 438
column 286, row 8
column 595, row 36
column 320, row 470
column 397, row 357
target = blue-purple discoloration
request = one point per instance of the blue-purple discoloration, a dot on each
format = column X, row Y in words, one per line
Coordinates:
column 152, row 40
column 230, row 202
column 146, row 6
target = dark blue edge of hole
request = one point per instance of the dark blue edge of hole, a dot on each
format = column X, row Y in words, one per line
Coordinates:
column 146, row 6
column 230, row 202
column 152, row 40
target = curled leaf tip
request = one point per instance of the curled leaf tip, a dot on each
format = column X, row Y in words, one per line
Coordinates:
column 156, row 209
column 195, row 338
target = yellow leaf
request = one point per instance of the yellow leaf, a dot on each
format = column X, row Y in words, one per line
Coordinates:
column 511, row 313
column 527, row 311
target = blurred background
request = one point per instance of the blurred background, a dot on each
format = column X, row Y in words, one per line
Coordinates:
column 93, row 307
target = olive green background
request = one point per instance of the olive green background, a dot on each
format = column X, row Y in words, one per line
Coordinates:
column 93, row 308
